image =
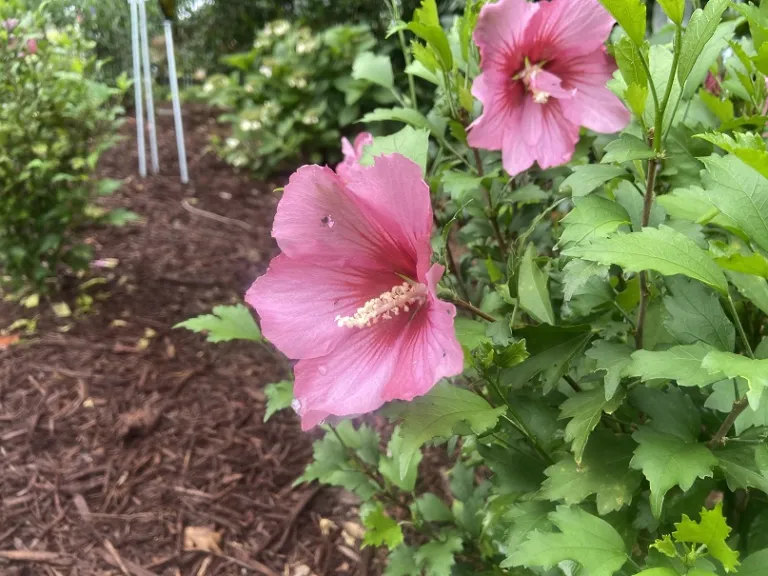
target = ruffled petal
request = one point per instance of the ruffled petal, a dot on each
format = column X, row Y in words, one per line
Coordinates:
column 501, row 100
column 551, row 136
column 429, row 348
column 298, row 301
column 394, row 193
column 516, row 155
column 319, row 218
column 352, row 378
column 500, row 31
column 353, row 154
column 565, row 28
column 593, row 105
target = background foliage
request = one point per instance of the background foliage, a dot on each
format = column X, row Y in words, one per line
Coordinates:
column 56, row 119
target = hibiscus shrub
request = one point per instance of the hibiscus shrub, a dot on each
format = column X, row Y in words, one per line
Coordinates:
column 293, row 93
column 56, row 119
column 556, row 281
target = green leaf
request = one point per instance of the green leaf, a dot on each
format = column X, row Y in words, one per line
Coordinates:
column 709, row 56
column 749, row 148
column 664, row 250
column 674, row 9
column 613, row 358
column 701, row 27
column 459, row 184
column 632, row 201
column 754, row 564
column 380, row 529
column 225, row 324
column 108, row 186
column 671, row 412
column 626, row 148
column 526, row 517
column 604, row 471
column 279, row 397
column 532, row 290
column 330, row 465
column 411, row 143
column 577, row 273
column 697, row 316
column 391, row 467
column 375, row 69
column 441, row 413
column 583, row 538
column 430, row 508
column 630, row 14
column 514, row 472
column 740, row 193
column 629, row 62
column 753, row 288
column 585, row 179
column 680, row 363
column 592, row 217
column 426, row 25
column 585, row 410
column 121, row 217
column 437, row 556
column 712, row 531
column 550, row 348
column 659, row 571
column 740, row 466
column 666, row 546
column 402, row 562
column 406, row 115
column 637, row 98
column 667, row 461
column 660, row 60
column 755, row 372
column 755, row 264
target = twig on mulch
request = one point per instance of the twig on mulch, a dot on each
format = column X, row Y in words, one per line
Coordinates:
column 35, row 556
column 300, row 505
column 223, row 219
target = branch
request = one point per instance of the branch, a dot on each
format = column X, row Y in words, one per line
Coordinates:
column 719, row 437
column 653, row 165
column 471, row 308
column 489, row 199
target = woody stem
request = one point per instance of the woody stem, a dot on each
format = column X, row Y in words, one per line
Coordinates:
column 471, row 308
column 489, row 199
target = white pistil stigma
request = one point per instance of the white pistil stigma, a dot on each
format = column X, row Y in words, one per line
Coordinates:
column 401, row 297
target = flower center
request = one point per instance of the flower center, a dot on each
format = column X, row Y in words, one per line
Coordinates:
column 401, row 297
column 528, row 76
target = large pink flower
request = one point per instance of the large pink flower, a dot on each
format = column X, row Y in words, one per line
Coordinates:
column 544, row 70
column 353, row 154
column 352, row 296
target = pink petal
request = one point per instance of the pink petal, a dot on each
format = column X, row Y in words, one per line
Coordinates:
column 550, row 84
column 429, row 348
column 501, row 99
column 347, row 149
column 298, row 301
column 551, row 135
column 500, row 31
column 319, row 218
column 353, row 154
column 517, row 156
column 394, row 193
column 593, row 105
column 568, row 27
column 352, row 378
column 361, row 141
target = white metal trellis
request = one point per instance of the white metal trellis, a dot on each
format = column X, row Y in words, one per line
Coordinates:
column 140, row 45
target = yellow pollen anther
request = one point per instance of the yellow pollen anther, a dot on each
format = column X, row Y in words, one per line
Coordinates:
column 384, row 307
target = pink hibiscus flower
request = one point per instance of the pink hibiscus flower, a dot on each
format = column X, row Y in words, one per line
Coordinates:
column 352, row 296
column 544, row 70
column 353, row 154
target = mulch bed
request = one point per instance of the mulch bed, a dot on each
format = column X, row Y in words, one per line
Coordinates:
column 123, row 442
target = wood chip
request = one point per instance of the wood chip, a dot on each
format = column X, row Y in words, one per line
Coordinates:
column 202, row 538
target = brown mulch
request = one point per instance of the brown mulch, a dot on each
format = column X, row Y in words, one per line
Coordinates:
column 127, row 447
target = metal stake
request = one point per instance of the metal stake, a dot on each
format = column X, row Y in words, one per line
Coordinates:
column 148, row 88
column 137, row 89
column 176, row 105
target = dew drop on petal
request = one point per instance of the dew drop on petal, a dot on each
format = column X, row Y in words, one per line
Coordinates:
column 323, row 370
column 328, row 221
column 296, row 405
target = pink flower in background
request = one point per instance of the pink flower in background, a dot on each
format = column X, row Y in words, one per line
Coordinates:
column 10, row 24
column 712, row 84
column 352, row 296
column 544, row 70
column 32, row 46
column 353, row 154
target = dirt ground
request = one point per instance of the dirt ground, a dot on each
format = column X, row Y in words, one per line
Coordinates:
column 125, row 443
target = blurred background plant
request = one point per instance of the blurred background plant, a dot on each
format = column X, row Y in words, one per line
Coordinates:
column 56, row 119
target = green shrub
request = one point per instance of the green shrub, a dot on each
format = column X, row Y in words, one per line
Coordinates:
column 291, row 95
column 55, row 121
